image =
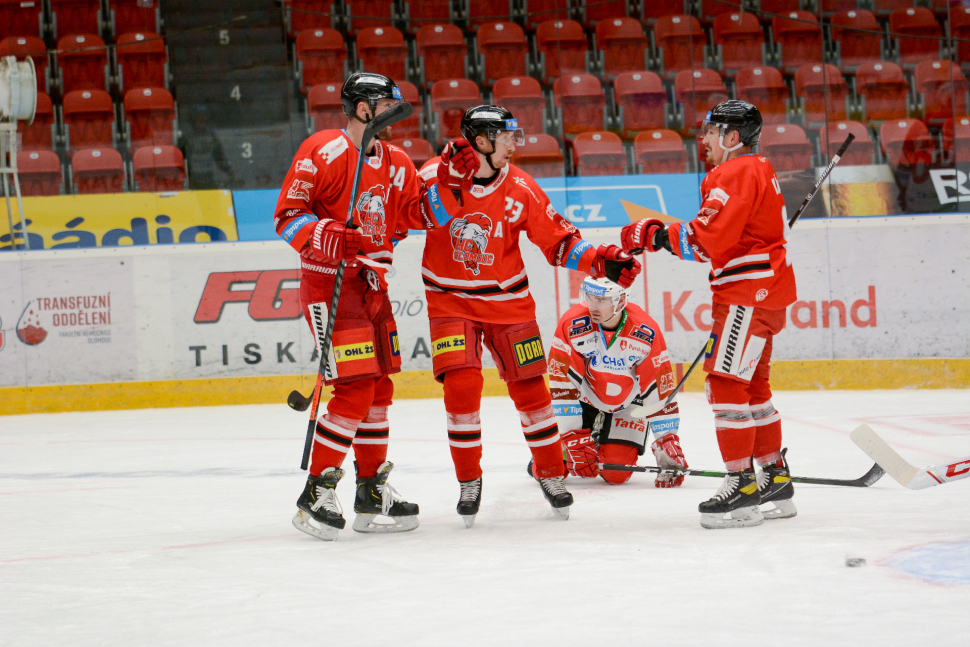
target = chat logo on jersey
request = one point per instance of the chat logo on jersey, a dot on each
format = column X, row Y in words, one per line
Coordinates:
column 371, row 214
column 469, row 239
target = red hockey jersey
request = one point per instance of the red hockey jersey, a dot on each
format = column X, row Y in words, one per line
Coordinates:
column 741, row 229
column 318, row 187
column 472, row 264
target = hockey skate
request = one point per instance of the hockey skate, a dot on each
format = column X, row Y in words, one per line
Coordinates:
column 775, row 486
column 738, row 497
column 375, row 497
column 557, row 495
column 319, row 513
column 470, row 500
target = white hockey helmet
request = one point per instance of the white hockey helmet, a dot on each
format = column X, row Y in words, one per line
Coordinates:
column 604, row 288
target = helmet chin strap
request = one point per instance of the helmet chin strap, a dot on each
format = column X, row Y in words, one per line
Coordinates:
column 488, row 156
column 720, row 142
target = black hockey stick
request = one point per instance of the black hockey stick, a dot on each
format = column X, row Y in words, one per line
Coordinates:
column 377, row 124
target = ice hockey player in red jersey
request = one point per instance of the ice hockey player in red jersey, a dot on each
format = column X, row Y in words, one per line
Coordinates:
column 475, row 206
column 311, row 216
column 609, row 374
column 741, row 230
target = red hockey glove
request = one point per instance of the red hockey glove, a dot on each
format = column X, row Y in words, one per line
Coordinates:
column 579, row 453
column 332, row 242
column 668, row 453
column 458, row 166
column 639, row 236
column 615, row 264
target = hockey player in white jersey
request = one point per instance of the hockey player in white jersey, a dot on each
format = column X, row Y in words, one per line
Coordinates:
column 608, row 365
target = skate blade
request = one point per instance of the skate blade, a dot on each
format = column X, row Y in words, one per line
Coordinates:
column 561, row 513
column 469, row 520
column 784, row 509
column 369, row 523
column 740, row 518
column 305, row 523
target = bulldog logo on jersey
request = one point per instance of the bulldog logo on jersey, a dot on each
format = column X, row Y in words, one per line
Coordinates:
column 469, row 238
column 370, row 212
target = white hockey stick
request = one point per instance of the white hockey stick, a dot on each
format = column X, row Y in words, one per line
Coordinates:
column 910, row 476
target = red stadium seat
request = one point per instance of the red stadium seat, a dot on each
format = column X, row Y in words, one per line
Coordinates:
column 89, row 120
column 581, row 99
column 822, row 92
column 765, row 9
column 766, row 88
column 960, row 29
column 82, row 63
column 142, row 61
column 956, row 139
column 419, row 150
column 622, row 45
column 786, row 147
column 418, row 13
column 22, row 18
column 40, row 173
column 98, row 170
column 944, row 90
column 884, row 8
column 321, row 57
column 308, row 14
column 830, row 7
column 149, row 117
column 884, row 90
column 481, row 12
column 410, row 128
column 739, row 41
column 442, row 53
column 324, row 109
column 502, row 50
column 538, row 11
column 368, row 14
column 641, row 102
column 540, row 156
column 856, row 47
column 599, row 153
column 159, row 168
column 39, row 135
column 592, row 13
column 24, row 46
column 711, row 9
column 680, row 42
column 698, row 91
column 562, row 48
column 522, row 96
column 660, row 151
column 130, row 16
column 916, row 21
column 907, row 142
column 449, row 101
column 75, row 17
column 833, row 136
column 799, row 40
column 382, row 50
column 653, row 11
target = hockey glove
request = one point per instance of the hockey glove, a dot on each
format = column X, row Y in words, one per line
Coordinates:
column 642, row 235
column 332, row 242
column 579, row 453
column 668, row 453
column 615, row 264
column 458, row 166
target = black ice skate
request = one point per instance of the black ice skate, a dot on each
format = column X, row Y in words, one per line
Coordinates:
column 319, row 513
column 470, row 500
column 738, row 497
column 775, row 486
column 557, row 495
column 376, row 497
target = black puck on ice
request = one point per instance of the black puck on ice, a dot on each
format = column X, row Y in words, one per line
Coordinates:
column 854, row 562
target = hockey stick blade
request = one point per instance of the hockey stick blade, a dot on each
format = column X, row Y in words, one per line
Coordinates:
column 867, row 479
column 297, row 402
column 909, row 476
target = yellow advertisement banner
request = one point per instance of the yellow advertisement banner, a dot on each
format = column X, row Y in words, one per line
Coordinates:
column 118, row 219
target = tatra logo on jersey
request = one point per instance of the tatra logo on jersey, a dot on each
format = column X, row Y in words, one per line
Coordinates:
column 469, row 238
column 370, row 211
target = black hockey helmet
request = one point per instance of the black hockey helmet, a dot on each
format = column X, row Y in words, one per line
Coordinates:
column 369, row 87
column 736, row 115
column 489, row 121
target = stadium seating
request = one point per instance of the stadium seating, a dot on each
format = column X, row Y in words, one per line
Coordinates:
column 130, row 16
column 711, row 10
column 502, row 51
column 39, row 135
column 640, row 101
column 581, row 102
column 22, row 18
column 907, row 142
column 660, row 151
column 786, row 147
column 481, row 12
column 89, row 120
column 920, row 22
column 653, row 11
column 540, row 156
column 82, row 62
column 822, row 93
column 410, row 128
column 24, row 46
column 739, row 41
column 449, row 101
column 321, row 57
column 765, row 8
column 442, row 53
column 698, row 91
column 361, row 15
column 75, row 17
column 956, row 140
column 382, row 50
column 98, row 170
column 150, row 118
column 883, row 89
column 142, row 61
column 622, row 46
column 538, row 11
column 308, row 14
column 960, row 29
column 592, row 13
column 40, row 173
column 324, row 110
column 856, row 47
column 830, row 7
column 522, row 96
column 599, row 153
column 562, row 49
column 884, row 8
column 944, row 91
column 418, row 13
column 860, row 153
column 798, row 38
column 419, row 150
column 158, row 168
column 680, row 44
column 765, row 87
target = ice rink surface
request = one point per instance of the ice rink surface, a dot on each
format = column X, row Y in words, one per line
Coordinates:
column 172, row 527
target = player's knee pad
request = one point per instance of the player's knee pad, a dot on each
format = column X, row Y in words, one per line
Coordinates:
column 463, row 390
column 530, row 394
column 352, row 399
column 720, row 389
column 617, row 454
column 383, row 391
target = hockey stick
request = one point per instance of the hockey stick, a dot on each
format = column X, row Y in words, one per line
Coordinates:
column 377, row 124
column 910, row 476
